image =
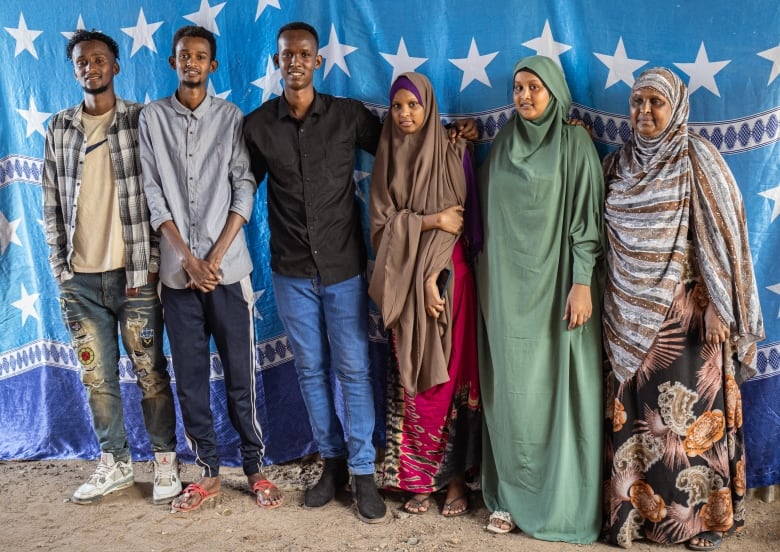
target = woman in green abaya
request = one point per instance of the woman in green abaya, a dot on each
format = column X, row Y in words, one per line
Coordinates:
column 539, row 278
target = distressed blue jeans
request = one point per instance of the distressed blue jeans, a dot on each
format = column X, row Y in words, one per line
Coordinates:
column 327, row 328
column 96, row 311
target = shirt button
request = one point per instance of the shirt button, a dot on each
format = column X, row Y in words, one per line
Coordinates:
column 316, row 251
column 305, row 155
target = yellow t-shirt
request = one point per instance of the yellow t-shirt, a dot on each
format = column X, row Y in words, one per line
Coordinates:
column 98, row 242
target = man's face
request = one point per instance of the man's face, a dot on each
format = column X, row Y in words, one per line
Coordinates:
column 297, row 58
column 94, row 66
column 193, row 61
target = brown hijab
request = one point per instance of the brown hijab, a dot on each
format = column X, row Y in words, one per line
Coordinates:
column 414, row 175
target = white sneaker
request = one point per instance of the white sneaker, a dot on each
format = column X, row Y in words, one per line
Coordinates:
column 167, row 484
column 109, row 476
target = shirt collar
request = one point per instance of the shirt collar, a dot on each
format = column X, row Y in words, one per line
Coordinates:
column 119, row 109
column 283, row 109
column 198, row 112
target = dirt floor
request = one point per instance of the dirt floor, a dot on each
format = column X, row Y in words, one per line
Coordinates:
column 36, row 514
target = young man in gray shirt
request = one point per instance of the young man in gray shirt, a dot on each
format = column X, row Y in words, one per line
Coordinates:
column 200, row 191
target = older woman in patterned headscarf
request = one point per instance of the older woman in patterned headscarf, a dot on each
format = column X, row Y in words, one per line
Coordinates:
column 681, row 322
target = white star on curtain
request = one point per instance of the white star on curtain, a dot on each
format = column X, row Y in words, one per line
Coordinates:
column 8, row 233
column 401, row 61
column 270, row 83
column 79, row 27
column 27, row 305
column 24, row 37
column 774, row 195
column 34, row 118
column 263, row 4
column 545, row 44
column 621, row 67
column 773, row 55
column 335, row 52
column 474, row 66
column 206, row 16
column 142, row 33
column 702, row 72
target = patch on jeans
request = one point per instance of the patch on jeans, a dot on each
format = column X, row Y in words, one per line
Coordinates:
column 86, row 356
column 147, row 338
column 75, row 326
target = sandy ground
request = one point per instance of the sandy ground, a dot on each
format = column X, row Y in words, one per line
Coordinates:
column 36, row 514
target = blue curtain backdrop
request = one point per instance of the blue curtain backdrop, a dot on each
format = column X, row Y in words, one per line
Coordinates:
column 729, row 58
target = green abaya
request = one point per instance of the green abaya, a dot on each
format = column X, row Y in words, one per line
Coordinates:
column 542, row 194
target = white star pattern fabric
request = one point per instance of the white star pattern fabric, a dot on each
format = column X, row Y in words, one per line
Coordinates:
column 546, row 45
column 263, row 4
column 256, row 310
column 24, row 37
column 474, row 66
column 206, row 16
column 34, row 118
column 703, row 71
column 729, row 59
column 79, row 26
column 142, row 33
column 773, row 194
column 271, row 82
column 773, row 55
column 401, row 61
column 26, row 304
column 8, row 233
column 621, row 67
column 213, row 92
column 334, row 53
column 775, row 289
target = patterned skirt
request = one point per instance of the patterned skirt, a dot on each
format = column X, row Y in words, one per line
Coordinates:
column 675, row 447
column 435, row 435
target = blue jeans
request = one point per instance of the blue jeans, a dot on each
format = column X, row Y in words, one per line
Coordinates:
column 93, row 305
column 327, row 328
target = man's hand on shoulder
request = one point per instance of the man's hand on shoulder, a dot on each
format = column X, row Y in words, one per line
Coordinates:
column 463, row 128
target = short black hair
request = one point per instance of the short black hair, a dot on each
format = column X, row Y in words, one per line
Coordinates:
column 299, row 26
column 83, row 35
column 195, row 31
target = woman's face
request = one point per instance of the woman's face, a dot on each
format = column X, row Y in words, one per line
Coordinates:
column 530, row 95
column 407, row 112
column 650, row 112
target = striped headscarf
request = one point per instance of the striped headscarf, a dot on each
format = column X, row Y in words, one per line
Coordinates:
column 659, row 189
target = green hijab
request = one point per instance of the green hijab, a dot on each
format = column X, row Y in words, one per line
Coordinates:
column 538, row 141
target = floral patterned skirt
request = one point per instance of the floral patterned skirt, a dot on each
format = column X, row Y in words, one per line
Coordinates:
column 675, row 447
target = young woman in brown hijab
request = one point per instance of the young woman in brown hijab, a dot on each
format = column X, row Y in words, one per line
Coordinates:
column 424, row 228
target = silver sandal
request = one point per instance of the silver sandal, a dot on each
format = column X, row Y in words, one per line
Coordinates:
column 500, row 515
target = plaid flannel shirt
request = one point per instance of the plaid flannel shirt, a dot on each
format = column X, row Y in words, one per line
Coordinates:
column 63, row 162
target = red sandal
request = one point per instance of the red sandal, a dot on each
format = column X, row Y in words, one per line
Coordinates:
column 191, row 490
column 262, row 489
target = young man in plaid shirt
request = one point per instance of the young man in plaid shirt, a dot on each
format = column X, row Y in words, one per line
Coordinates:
column 105, row 258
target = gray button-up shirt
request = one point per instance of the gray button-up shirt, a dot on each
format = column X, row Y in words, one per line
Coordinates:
column 195, row 172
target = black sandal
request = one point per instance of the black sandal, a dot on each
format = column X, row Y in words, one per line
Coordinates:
column 715, row 539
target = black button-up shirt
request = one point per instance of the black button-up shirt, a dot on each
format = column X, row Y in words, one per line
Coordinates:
column 313, row 214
